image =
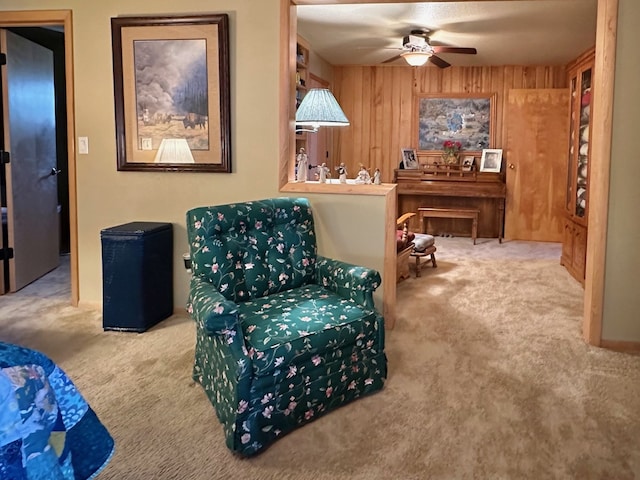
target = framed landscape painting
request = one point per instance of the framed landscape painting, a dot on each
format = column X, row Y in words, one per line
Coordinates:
column 171, row 90
column 464, row 118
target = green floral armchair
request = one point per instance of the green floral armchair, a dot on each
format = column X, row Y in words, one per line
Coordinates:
column 283, row 334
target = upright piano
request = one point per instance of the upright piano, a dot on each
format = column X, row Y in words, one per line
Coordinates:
column 447, row 186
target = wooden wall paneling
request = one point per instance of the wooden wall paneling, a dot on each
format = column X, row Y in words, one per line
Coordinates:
column 406, row 123
column 398, row 124
column 402, row 118
column 379, row 102
column 376, row 121
column 388, row 108
column 357, row 105
column 367, row 107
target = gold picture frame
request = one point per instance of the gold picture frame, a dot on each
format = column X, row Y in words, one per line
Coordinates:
column 171, row 91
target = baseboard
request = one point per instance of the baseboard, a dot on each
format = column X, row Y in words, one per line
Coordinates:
column 621, row 346
column 84, row 305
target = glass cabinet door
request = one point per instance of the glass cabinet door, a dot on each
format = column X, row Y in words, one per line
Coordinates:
column 583, row 144
column 572, row 146
column 577, row 187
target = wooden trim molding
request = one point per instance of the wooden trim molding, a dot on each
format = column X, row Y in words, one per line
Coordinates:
column 602, row 114
column 288, row 20
column 339, row 189
column 35, row 18
column 390, row 262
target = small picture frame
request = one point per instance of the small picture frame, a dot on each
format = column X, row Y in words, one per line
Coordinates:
column 491, row 160
column 409, row 158
column 467, row 163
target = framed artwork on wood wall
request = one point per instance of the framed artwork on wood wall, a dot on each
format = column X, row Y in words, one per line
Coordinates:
column 464, row 118
column 171, row 91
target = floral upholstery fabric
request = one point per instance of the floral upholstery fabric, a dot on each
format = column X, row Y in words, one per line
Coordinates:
column 283, row 335
column 253, row 249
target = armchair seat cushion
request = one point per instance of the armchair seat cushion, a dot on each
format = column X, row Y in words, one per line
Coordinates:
column 291, row 327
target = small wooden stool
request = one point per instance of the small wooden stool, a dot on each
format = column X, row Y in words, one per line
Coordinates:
column 419, row 255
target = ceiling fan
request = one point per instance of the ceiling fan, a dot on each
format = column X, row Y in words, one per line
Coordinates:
column 417, row 50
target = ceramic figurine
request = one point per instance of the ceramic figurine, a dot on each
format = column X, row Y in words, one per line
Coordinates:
column 363, row 177
column 342, row 173
column 301, row 162
column 323, row 172
column 376, row 177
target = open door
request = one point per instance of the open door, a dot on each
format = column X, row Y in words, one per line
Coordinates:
column 28, row 117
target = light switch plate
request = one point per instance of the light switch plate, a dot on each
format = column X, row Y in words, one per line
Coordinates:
column 83, row 145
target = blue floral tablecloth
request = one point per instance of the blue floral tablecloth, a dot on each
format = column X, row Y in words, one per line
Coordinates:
column 47, row 429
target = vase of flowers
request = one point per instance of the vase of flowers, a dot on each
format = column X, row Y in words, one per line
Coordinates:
column 451, row 152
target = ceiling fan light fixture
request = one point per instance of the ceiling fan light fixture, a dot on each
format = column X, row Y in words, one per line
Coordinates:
column 416, row 59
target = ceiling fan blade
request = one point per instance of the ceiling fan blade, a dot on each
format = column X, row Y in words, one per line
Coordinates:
column 443, row 49
column 438, row 62
column 392, row 59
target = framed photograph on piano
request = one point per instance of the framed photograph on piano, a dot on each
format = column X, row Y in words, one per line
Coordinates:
column 409, row 159
column 491, row 160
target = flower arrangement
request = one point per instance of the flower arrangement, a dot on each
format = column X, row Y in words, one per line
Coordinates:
column 451, row 148
column 451, row 151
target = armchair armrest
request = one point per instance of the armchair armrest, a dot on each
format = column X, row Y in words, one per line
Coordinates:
column 347, row 280
column 216, row 314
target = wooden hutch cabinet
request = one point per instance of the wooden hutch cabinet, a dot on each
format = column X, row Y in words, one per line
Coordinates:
column 574, row 243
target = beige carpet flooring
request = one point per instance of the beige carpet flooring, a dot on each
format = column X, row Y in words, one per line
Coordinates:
column 488, row 379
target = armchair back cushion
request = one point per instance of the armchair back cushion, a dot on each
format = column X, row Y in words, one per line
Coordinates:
column 250, row 250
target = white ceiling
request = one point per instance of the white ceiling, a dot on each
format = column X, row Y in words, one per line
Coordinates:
column 523, row 32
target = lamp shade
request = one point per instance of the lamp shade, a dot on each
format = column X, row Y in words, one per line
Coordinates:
column 416, row 59
column 319, row 108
